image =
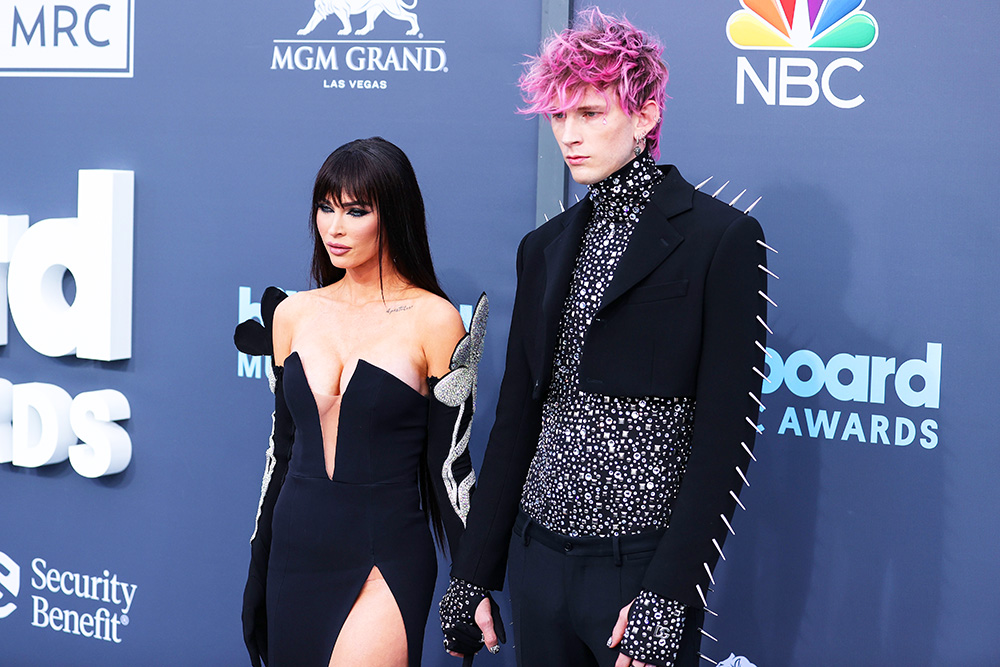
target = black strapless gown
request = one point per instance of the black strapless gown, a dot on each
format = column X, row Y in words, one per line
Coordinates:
column 328, row 534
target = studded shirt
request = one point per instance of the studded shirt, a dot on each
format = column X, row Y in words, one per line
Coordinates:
column 605, row 465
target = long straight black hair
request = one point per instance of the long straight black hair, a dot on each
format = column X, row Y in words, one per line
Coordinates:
column 376, row 173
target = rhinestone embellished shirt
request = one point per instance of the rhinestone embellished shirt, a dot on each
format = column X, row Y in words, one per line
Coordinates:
column 605, row 465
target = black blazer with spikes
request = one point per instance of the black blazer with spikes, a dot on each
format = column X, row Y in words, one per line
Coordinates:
column 679, row 318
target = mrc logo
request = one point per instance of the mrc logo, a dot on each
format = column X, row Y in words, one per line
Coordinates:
column 71, row 38
column 800, row 25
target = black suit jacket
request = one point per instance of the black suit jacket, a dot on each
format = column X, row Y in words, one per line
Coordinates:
column 679, row 318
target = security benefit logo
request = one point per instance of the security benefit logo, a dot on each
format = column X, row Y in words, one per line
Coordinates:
column 84, row 604
column 857, row 398
column 809, row 26
column 40, row 423
column 88, row 38
column 356, row 44
column 10, row 584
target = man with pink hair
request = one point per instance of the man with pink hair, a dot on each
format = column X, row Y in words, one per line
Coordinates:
column 627, row 410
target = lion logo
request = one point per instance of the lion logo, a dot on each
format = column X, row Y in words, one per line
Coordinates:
column 736, row 661
column 345, row 9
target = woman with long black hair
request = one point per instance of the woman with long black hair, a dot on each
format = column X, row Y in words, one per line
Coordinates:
column 367, row 443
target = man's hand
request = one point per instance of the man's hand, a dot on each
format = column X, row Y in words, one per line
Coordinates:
column 649, row 628
column 616, row 637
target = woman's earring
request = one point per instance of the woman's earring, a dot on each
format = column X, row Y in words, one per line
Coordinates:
column 638, row 146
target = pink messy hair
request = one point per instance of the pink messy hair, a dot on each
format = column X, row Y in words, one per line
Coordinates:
column 602, row 51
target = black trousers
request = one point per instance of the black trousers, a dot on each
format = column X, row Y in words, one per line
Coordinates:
column 566, row 593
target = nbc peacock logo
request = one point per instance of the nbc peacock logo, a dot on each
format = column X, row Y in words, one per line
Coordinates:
column 809, row 26
column 814, row 25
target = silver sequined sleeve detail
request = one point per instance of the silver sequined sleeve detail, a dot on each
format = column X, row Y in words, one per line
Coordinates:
column 458, row 389
column 269, row 463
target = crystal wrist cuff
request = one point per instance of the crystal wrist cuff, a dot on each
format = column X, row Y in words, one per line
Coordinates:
column 654, row 629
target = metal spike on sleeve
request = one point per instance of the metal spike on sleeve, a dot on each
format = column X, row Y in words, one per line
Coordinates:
column 768, row 272
column 759, row 242
column 757, row 201
column 736, row 498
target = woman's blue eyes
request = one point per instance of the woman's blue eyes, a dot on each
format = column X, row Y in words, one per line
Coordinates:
column 353, row 212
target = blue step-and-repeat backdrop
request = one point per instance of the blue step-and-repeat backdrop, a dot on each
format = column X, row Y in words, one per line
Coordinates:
column 156, row 165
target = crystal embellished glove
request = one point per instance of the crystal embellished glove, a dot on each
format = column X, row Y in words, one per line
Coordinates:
column 458, row 617
column 653, row 633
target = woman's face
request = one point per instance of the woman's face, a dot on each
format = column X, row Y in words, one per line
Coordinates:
column 349, row 232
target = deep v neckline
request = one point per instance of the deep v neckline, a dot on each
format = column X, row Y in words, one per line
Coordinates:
column 349, row 382
column 338, row 404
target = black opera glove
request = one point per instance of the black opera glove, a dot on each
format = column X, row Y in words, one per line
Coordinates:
column 653, row 633
column 450, row 426
column 458, row 617
column 253, row 338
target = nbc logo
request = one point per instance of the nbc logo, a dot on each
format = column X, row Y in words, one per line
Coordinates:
column 10, row 581
column 800, row 25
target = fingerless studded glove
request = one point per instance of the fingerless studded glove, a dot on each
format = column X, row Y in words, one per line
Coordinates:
column 654, row 629
column 458, row 617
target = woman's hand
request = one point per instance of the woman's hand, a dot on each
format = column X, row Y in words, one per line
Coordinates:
column 484, row 619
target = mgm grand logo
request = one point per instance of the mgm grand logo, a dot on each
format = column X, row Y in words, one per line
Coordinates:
column 395, row 46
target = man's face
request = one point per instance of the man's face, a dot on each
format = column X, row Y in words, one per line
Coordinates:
column 596, row 137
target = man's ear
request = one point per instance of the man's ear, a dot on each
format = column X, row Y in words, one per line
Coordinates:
column 646, row 118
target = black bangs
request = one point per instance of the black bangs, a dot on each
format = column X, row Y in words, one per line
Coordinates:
column 347, row 177
column 376, row 174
